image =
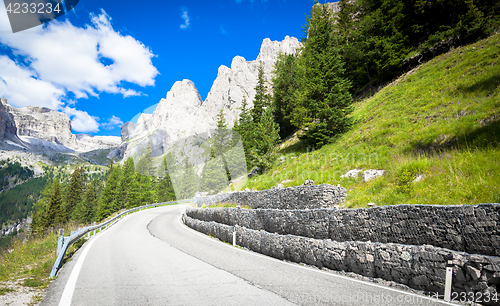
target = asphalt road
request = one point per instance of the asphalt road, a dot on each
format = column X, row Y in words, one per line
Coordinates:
column 151, row 258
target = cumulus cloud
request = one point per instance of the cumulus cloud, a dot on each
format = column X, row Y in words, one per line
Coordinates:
column 71, row 57
column 21, row 86
column 112, row 123
column 52, row 61
column 185, row 17
column 81, row 121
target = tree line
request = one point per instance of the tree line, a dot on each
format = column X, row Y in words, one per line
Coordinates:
column 83, row 201
column 363, row 45
column 13, row 172
column 308, row 93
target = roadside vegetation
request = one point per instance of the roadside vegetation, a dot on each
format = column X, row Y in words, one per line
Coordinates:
column 439, row 121
column 27, row 263
column 225, row 205
column 434, row 130
column 83, row 200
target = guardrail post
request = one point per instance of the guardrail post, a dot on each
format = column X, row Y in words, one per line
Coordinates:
column 60, row 240
column 234, row 235
column 449, row 277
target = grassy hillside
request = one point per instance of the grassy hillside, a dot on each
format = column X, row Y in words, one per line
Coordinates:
column 441, row 121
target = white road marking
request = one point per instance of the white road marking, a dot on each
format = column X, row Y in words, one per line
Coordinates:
column 69, row 289
column 311, row 269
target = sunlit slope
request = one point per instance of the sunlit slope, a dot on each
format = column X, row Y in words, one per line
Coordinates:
column 440, row 121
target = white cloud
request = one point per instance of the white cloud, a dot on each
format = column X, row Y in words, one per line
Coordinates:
column 185, row 16
column 21, row 87
column 64, row 58
column 112, row 123
column 81, row 121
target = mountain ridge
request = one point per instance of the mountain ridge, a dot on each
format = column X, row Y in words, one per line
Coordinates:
column 183, row 113
column 35, row 134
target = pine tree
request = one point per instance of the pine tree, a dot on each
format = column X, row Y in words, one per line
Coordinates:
column 55, row 214
column 85, row 211
column 220, row 142
column 164, row 187
column 188, row 182
column 107, row 203
column 125, row 183
column 284, row 86
column 267, row 136
column 145, row 163
column 74, row 191
column 134, row 194
column 244, row 127
column 221, row 138
column 213, row 176
column 262, row 99
column 323, row 98
column 235, row 157
column 147, row 195
column 40, row 210
column 145, row 168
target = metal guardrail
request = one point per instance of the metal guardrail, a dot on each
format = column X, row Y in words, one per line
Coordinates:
column 65, row 242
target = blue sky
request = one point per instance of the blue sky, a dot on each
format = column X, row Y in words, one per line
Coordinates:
column 106, row 61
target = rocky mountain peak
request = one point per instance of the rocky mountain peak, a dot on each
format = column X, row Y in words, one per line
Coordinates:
column 269, row 49
column 39, row 109
column 41, row 129
column 185, row 92
column 43, row 123
column 182, row 113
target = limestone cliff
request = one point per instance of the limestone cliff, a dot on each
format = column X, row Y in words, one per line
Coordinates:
column 36, row 128
column 8, row 130
column 182, row 113
column 43, row 123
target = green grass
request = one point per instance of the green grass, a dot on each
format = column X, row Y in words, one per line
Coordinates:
column 227, row 205
column 32, row 283
column 30, row 261
column 3, row 291
column 441, row 120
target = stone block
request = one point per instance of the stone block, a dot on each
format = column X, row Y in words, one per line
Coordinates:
column 473, row 272
column 294, row 248
column 420, row 280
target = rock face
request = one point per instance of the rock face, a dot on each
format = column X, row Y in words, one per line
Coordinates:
column 43, row 123
column 85, row 142
column 39, row 128
column 182, row 113
column 232, row 84
column 3, row 119
column 352, row 173
column 8, row 130
column 372, row 174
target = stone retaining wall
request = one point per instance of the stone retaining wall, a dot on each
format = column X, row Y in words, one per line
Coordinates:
column 473, row 229
column 299, row 197
column 420, row 267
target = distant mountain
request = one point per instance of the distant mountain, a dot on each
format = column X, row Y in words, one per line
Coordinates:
column 32, row 133
column 182, row 113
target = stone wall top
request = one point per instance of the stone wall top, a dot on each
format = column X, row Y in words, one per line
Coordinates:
column 298, row 197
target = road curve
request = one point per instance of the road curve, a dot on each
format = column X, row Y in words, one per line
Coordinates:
column 151, row 258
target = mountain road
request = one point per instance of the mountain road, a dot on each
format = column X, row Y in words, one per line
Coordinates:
column 151, row 258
